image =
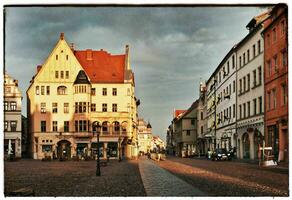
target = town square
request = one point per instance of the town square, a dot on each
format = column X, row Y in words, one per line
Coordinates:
column 135, row 101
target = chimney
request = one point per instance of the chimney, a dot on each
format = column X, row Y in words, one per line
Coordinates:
column 62, row 36
column 39, row 68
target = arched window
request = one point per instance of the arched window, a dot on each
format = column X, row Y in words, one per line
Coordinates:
column 105, row 127
column 124, row 127
column 61, row 90
column 116, row 126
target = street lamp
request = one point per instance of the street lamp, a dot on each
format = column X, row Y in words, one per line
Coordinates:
column 96, row 128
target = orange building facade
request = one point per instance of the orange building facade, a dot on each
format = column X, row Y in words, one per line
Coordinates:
column 276, row 83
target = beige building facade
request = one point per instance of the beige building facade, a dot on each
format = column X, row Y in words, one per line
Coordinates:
column 12, row 117
column 72, row 90
column 144, row 136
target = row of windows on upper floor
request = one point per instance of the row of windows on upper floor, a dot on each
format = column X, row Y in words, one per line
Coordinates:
column 245, row 108
column 244, row 82
column 225, row 115
column 13, row 125
column 246, row 57
column 274, row 34
column 272, row 97
column 274, row 64
column 10, row 106
column 62, row 90
column 62, row 74
column 83, row 126
column 81, row 107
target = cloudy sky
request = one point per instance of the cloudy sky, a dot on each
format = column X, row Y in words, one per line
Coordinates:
column 171, row 48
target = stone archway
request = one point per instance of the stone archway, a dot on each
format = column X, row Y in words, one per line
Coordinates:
column 246, row 146
column 64, row 150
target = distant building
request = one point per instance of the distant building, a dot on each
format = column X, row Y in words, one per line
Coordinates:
column 185, row 131
column 276, row 82
column 144, row 136
column 12, row 117
column 74, row 89
column 158, row 144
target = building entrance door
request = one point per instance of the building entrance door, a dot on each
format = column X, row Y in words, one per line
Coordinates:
column 246, row 146
column 64, row 150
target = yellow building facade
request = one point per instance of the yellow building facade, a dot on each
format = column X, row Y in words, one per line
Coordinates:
column 73, row 89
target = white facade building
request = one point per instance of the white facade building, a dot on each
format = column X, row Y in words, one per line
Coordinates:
column 12, row 117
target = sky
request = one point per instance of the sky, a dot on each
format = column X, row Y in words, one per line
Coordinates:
column 171, row 48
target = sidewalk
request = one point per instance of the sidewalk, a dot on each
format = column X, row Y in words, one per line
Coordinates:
column 159, row 182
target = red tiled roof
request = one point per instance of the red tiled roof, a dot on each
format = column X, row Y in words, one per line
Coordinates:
column 102, row 67
column 178, row 112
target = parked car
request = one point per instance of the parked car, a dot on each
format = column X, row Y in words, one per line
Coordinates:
column 221, row 154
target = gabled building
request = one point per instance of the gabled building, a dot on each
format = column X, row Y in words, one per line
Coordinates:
column 144, row 136
column 12, row 118
column 276, row 82
column 70, row 91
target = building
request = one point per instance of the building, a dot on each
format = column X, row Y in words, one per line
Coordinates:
column 202, row 141
column 276, row 82
column 158, row 144
column 74, row 89
column 12, row 117
column 185, row 130
column 250, row 90
column 144, row 136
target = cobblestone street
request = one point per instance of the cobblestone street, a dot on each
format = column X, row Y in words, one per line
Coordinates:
column 71, row 178
column 159, row 182
column 229, row 178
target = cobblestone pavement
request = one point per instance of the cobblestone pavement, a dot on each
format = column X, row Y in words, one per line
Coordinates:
column 229, row 178
column 73, row 178
column 159, row 182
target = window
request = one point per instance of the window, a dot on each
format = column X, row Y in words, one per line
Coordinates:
column 67, row 57
column 104, row 91
column 43, row 107
column 13, row 125
column 229, row 112
column 37, row 90
column 5, row 125
column 93, row 91
column 276, row 63
column 269, row 68
column 55, row 107
column 248, row 108
column 114, row 91
column 56, row 57
column 228, row 67
column 254, row 50
column 284, row 94
column 115, row 107
column 244, row 84
column 66, row 107
column 240, row 86
column 128, row 92
column 259, row 47
column 46, row 148
column 13, row 105
column 43, row 126
column 274, row 98
column 7, row 89
column 104, row 107
column 219, row 77
column 254, row 106
column 82, row 125
column 55, row 126
column 76, row 126
column 233, row 86
column 254, row 78
column 56, row 74
column 193, row 121
column 260, row 74
column 240, row 112
column 104, row 127
column 66, row 126
column 188, row 132
column 274, row 35
column 239, row 61
column 248, row 82
column 260, row 105
column 269, row 100
column 202, row 129
column 67, row 74
column 62, row 90
column 202, row 115
column 116, row 126
column 93, row 107
column 5, row 105
column 248, row 56
column 283, row 27
column 243, row 58
column 48, row 90
column 42, row 90
column 284, row 58
column 233, row 110
column 268, row 40
column 83, row 106
column 244, row 110
column 233, row 62
column 62, row 74
column 80, row 107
